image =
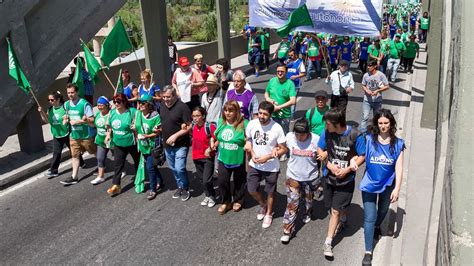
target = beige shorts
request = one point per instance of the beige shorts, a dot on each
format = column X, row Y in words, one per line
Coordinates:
column 79, row 146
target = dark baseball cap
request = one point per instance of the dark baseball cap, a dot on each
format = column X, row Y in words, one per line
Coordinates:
column 344, row 63
column 321, row 93
column 372, row 63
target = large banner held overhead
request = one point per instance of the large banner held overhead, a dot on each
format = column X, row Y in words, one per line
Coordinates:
column 342, row 17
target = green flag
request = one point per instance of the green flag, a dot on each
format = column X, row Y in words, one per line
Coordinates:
column 299, row 17
column 93, row 66
column 140, row 176
column 116, row 42
column 15, row 71
column 78, row 79
column 119, row 86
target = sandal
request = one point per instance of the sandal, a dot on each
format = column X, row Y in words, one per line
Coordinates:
column 237, row 206
column 224, row 208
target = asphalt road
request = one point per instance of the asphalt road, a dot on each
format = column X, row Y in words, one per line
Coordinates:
column 43, row 222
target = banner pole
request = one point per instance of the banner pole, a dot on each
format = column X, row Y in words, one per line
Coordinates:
column 324, row 55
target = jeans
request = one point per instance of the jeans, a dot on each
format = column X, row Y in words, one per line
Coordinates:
column 58, row 145
column 408, row 64
column 392, row 66
column 374, row 213
column 153, row 174
column 312, row 65
column 366, row 107
column 363, row 65
column 205, row 172
column 383, row 64
column 120, row 156
column 101, row 156
column 176, row 158
column 422, row 35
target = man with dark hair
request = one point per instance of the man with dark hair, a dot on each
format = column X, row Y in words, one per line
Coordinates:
column 341, row 83
column 315, row 115
column 79, row 115
column 176, row 124
column 265, row 142
column 344, row 147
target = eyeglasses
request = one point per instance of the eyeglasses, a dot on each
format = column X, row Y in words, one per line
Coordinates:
column 118, row 102
column 51, row 100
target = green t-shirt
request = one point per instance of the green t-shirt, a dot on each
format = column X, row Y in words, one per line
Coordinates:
column 231, row 143
column 281, row 93
column 316, row 123
column 283, row 49
column 396, row 49
column 372, row 50
column 313, row 49
column 265, row 41
column 55, row 119
column 101, row 126
column 122, row 134
column 404, row 37
column 383, row 45
column 411, row 48
column 424, row 23
column 145, row 126
column 75, row 113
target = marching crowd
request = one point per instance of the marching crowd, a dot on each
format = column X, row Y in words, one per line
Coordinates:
column 213, row 112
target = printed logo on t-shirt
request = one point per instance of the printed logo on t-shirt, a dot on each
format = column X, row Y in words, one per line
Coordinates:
column 284, row 92
column 260, row 138
column 56, row 118
column 116, row 124
column 101, row 122
column 227, row 134
column 382, row 159
column 146, row 128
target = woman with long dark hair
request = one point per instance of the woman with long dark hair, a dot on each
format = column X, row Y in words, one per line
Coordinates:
column 382, row 180
column 59, row 130
column 230, row 135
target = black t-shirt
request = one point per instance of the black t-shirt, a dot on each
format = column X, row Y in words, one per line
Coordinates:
column 171, row 120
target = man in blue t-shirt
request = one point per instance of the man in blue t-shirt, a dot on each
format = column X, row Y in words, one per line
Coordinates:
column 344, row 148
column 363, row 54
column 346, row 50
column 333, row 52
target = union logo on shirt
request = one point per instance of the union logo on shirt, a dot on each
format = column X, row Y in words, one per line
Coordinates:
column 116, row 124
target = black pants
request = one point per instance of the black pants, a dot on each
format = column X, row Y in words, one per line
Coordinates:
column 408, row 63
column 223, row 183
column 266, row 57
column 205, row 171
column 333, row 67
column 194, row 102
column 58, row 145
column 363, row 65
column 120, row 157
column 339, row 102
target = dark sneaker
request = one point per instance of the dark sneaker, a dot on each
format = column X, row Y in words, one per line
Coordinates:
column 185, row 195
column 69, row 181
column 151, row 195
column 177, row 193
column 51, row 174
column 83, row 164
column 159, row 187
column 367, row 259
column 377, row 233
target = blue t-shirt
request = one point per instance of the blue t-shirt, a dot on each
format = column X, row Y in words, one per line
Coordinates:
column 380, row 164
column 393, row 30
column 346, row 51
column 413, row 20
column 359, row 146
column 364, row 46
column 128, row 92
column 332, row 51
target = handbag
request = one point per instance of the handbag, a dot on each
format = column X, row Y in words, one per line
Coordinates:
column 342, row 90
column 158, row 151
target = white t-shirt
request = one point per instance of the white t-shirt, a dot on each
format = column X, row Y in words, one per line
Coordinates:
column 264, row 139
column 301, row 166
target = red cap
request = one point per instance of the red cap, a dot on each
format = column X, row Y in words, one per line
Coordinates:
column 183, row 61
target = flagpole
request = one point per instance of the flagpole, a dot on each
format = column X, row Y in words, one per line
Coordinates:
column 110, row 82
column 135, row 53
column 324, row 55
column 34, row 97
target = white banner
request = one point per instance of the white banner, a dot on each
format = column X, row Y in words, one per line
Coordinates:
column 342, row 17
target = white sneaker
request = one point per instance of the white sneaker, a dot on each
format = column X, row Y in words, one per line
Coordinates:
column 123, row 174
column 285, row 239
column 211, row 202
column 327, row 251
column 306, row 219
column 267, row 221
column 97, row 180
column 261, row 213
column 205, row 201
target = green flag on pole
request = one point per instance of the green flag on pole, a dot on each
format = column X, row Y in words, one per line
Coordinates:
column 93, row 66
column 116, row 42
column 299, row 17
column 78, row 79
column 119, row 86
column 15, row 71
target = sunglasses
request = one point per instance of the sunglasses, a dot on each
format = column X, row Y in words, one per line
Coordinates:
column 118, row 102
column 51, row 100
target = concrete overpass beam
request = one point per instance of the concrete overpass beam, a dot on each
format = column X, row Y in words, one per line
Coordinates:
column 223, row 29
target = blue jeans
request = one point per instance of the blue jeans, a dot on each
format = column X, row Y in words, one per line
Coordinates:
column 176, row 158
column 392, row 67
column 374, row 213
column 153, row 174
column 366, row 107
column 312, row 65
column 383, row 64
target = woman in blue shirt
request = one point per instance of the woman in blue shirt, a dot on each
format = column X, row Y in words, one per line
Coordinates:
column 381, row 183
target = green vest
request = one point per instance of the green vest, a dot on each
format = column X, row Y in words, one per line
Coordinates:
column 122, row 134
column 425, row 23
column 283, row 49
column 231, row 143
column 313, row 49
column 265, row 43
column 55, row 119
column 77, row 112
column 99, row 122
column 146, row 126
